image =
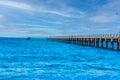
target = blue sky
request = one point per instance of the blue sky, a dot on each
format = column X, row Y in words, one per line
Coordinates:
column 42, row 18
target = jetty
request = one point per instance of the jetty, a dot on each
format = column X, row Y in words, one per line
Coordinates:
column 106, row 41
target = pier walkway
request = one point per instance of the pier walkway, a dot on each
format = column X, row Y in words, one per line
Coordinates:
column 109, row 41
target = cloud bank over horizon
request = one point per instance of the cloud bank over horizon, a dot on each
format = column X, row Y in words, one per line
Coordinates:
column 43, row 18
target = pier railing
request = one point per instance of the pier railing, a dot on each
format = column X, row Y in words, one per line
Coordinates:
column 107, row 41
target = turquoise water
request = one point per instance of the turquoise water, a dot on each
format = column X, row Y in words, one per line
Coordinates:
column 40, row 59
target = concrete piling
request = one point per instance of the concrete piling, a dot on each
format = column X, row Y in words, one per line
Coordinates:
column 95, row 41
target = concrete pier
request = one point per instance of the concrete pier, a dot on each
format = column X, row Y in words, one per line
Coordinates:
column 106, row 42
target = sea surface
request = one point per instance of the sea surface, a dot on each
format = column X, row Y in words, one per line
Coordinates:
column 41, row 59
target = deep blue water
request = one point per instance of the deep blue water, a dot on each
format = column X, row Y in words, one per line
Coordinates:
column 40, row 59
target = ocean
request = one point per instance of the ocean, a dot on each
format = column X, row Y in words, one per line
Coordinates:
column 41, row 59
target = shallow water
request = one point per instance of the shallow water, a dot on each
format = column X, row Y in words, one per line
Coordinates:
column 40, row 59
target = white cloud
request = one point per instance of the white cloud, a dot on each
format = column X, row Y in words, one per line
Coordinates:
column 19, row 5
column 12, row 30
column 42, row 16
column 57, row 13
column 3, row 20
column 104, row 18
column 107, row 13
column 111, row 7
column 31, row 25
column 2, row 17
column 66, row 12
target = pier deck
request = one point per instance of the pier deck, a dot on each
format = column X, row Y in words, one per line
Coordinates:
column 105, row 41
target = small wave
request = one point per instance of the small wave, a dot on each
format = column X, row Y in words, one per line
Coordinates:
column 18, row 77
column 4, row 66
column 10, row 42
column 54, row 65
column 101, row 68
column 78, row 60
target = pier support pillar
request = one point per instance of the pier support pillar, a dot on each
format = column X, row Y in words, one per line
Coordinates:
column 101, row 43
column 118, row 44
column 112, row 44
column 91, row 42
column 106, row 43
column 76, row 40
column 81, row 41
column 96, row 43
column 88, row 41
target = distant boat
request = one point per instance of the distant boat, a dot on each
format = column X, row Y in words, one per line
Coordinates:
column 28, row 38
